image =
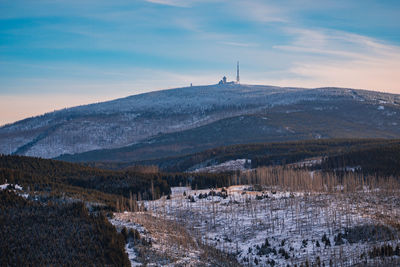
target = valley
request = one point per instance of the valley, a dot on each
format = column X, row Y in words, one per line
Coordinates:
column 188, row 133
column 278, row 177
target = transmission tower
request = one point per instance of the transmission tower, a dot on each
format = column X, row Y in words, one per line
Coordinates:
column 237, row 73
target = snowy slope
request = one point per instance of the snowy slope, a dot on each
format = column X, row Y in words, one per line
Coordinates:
column 136, row 118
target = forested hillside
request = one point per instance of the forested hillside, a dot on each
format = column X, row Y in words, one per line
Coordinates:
column 380, row 160
column 187, row 120
column 35, row 234
column 50, row 178
column 66, row 182
column 332, row 117
column 260, row 154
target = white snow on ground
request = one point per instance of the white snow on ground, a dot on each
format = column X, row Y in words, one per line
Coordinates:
column 110, row 124
column 231, row 165
column 167, row 243
column 129, row 247
column 138, row 118
column 350, row 168
column 132, row 255
column 4, row 186
column 308, row 162
column 16, row 186
column 294, row 224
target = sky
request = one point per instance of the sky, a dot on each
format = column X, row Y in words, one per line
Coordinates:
column 61, row 53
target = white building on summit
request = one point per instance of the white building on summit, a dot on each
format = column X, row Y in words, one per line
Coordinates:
column 224, row 81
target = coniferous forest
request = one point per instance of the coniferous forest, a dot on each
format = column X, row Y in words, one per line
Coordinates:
column 200, row 133
column 37, row 234
column 60, row 213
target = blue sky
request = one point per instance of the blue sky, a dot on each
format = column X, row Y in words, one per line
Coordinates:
column 55, row 54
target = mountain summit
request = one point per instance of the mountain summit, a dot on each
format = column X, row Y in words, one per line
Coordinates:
column 193, row 118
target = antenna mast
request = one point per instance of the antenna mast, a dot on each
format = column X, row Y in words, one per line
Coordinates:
column 237, row 73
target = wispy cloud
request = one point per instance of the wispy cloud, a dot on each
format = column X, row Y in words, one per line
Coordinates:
column 101, row 47
column 260, row 11
column 239, row 44
column 336, row 58
column 176, row 3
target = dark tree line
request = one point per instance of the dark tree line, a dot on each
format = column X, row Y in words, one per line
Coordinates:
column 261, row 154
column 52, row 179
column 49, row 175
column 211, row 180
column 381, row 160
column 34, row 234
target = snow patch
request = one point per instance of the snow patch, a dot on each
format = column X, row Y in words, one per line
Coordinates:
column 231, row 165
column 271, row 225
column 11, row 186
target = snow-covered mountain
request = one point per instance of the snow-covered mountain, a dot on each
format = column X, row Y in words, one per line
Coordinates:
column 141, row 118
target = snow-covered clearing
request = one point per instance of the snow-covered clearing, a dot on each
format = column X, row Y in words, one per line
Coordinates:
column 273, row 227
column 164, row 242
column 11, row 186
column 15, row 188
column 231, row 165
